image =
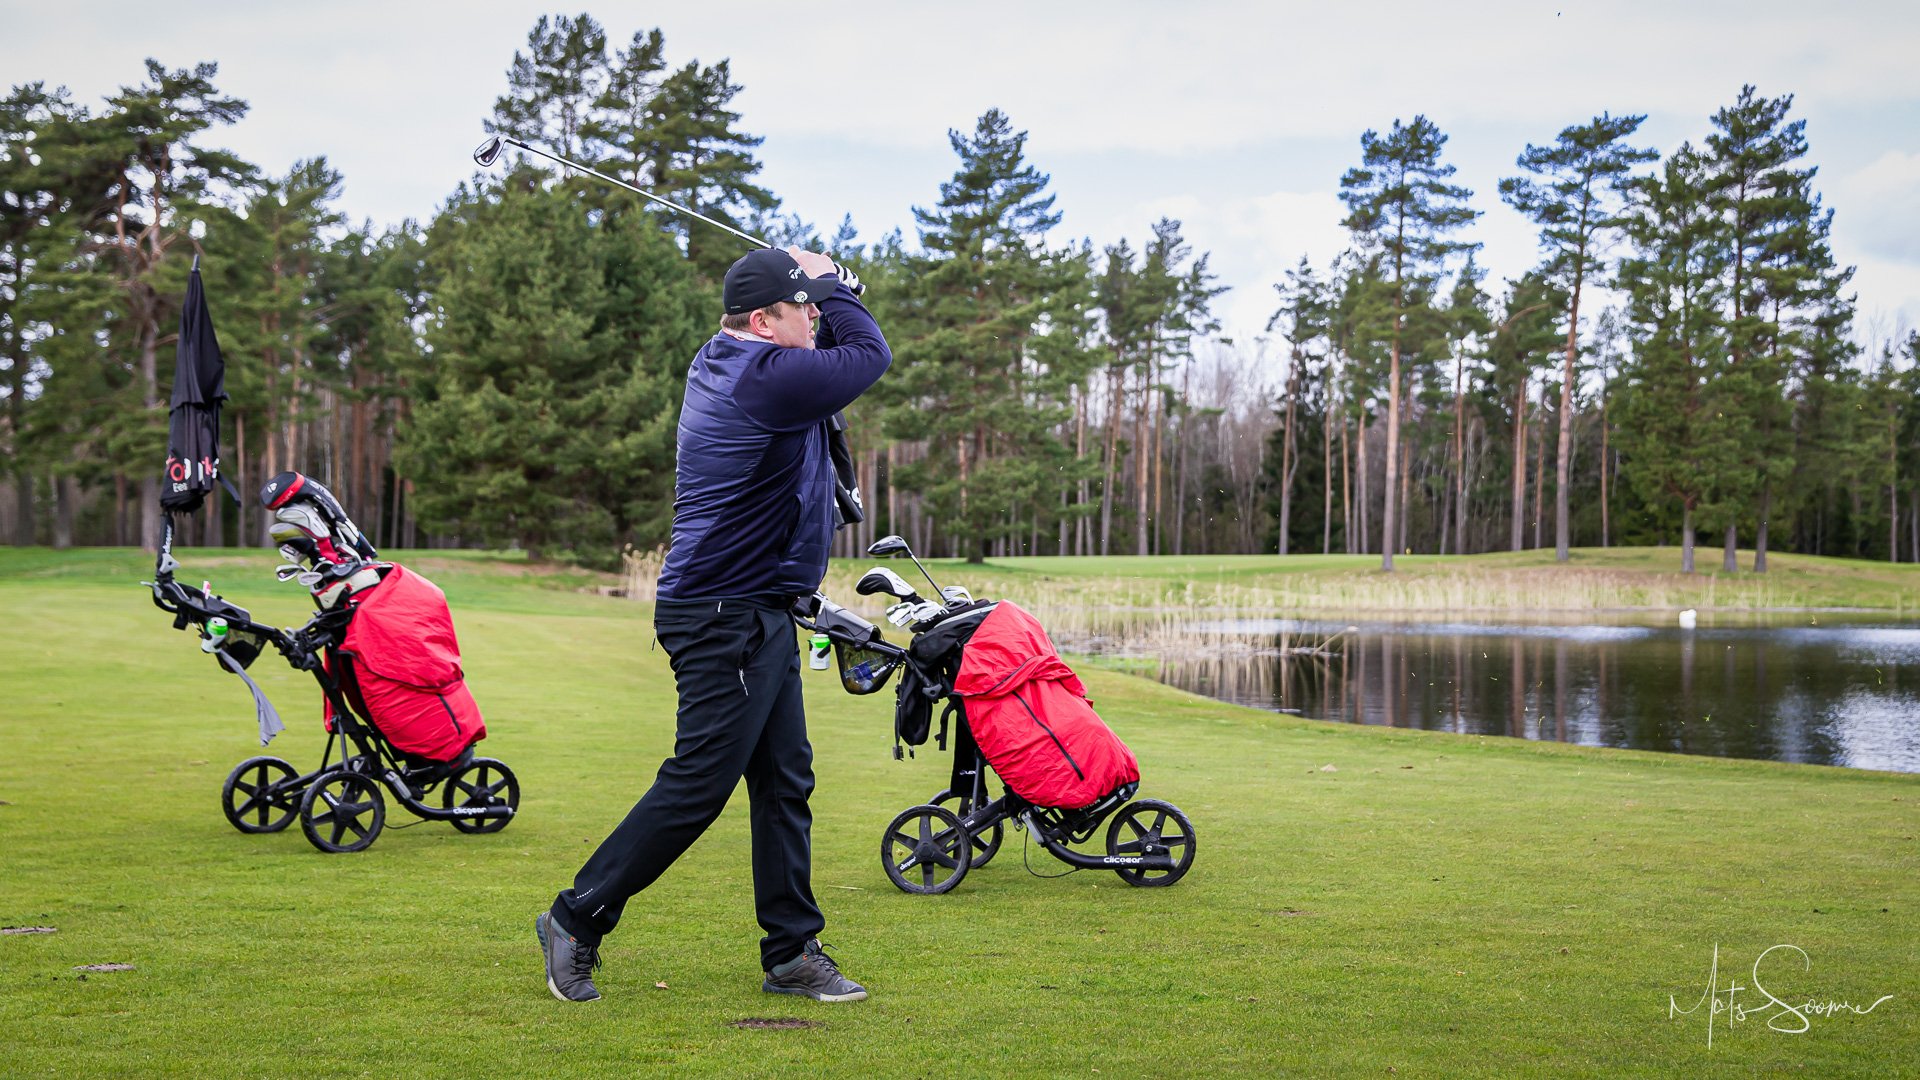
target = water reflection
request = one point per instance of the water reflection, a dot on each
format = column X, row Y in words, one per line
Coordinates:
column 1828, row 694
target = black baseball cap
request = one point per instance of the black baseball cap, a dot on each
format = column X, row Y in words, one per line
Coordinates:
column 768, row 276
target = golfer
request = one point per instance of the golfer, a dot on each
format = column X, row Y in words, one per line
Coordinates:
column 753, row 514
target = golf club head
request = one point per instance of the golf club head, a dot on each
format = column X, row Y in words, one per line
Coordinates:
column 888, row 546
column 488, row 152
column 881, row 580
column 288, row 572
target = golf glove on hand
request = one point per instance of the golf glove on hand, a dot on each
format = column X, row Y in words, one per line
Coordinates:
column 852, row 279
column 956, row 594
column 906, row 612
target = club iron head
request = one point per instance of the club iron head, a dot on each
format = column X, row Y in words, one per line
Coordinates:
column 287, row 573
column 488, row 152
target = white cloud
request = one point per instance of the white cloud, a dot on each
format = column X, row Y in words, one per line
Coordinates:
column 1879, row 207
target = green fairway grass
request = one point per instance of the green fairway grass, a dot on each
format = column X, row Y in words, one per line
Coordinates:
column 1432, row 905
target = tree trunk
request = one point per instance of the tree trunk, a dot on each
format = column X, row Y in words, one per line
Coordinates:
column 1606, row 468
column 1362, row 498
column 1760, row 536
column 1459, row 454
column 1389, row 517
column 63, row 500
column 1686, row 539
column 1326, row 477
column 1346, row 489
column 149, row 401
column 1140, row 467
column 1406, row 495
column 1113, row 450
column 1286, row 450
column 23, row 506
column 1563, row 465
column 1540, row 473
column 1728, row 562
column 1519, row 466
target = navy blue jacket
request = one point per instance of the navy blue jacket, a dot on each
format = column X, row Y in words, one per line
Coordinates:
column 753, row 507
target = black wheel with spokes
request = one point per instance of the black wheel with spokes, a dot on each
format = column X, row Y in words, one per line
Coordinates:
column 258, row 797
column 343, row 811
column 483, row 782
column 924, row 850
column 1151, row 827
column 985, row 844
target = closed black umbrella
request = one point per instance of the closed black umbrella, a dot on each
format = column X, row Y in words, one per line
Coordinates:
column 193, row 425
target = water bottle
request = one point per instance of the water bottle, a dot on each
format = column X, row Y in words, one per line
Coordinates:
column 216, row 634
column 819, row 646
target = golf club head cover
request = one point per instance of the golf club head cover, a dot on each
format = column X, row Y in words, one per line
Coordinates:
column 328, row 521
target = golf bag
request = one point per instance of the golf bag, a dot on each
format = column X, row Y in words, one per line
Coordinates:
column 399, row 661
column 1023, row 707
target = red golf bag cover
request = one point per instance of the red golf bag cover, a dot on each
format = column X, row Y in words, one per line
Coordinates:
column 404, row 665
column 1029, row 713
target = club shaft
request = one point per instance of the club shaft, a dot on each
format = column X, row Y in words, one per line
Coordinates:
column 643, row 193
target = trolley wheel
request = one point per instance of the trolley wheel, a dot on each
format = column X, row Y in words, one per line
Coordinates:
column 256, row 797
column 343, row 811
column 483, row 781
column 922, row 850
column 1152, row 827
column 985, row 844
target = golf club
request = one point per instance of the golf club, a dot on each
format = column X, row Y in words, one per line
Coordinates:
column 888, row 546
column 488, row 152
column 882, row 580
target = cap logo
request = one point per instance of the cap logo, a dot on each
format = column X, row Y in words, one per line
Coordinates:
column 800, row 297
column 794, row 273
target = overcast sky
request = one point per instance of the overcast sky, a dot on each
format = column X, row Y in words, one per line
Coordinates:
column 1235, row 118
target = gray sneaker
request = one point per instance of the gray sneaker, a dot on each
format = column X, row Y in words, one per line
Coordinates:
column 569, row 964
column 814, row 974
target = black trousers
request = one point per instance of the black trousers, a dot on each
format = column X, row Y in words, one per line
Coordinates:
column 737, row 669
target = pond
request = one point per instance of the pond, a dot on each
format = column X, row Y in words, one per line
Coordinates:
column 1821, row 688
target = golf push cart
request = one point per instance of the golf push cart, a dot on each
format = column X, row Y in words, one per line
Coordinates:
column 381, row 647
column 1015, row 707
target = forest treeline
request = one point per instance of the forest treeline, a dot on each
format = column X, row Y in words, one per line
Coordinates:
column 1684, row 360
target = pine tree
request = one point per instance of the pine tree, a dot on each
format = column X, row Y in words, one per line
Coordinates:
column 1400, row 204
column 544, row 414
column 1778, row 263
column 1680, row 445
column 965, row 353
column 553, row 86
column 700, row 160
column 1575, row 202
column 620, row 120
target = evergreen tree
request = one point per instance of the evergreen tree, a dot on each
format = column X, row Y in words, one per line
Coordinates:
column 1400, row 203
column 1680, row 443
column 1777, row 257
column 966, row 353
column 701, row 161
column 552, row 88
column 620, row 119
column 1574, row 201
column 545, row 413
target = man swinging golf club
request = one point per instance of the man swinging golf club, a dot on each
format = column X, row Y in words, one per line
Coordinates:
column 754, row 512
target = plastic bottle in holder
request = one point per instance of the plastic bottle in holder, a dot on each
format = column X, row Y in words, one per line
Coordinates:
column 216, row 634
column 819, row 646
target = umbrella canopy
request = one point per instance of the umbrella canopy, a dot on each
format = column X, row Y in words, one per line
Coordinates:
column 193, row 425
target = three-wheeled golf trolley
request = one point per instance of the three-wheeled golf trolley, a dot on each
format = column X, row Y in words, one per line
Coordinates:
column 1015, row 707
column 398, row 713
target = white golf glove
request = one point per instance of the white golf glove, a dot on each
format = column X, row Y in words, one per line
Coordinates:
column 906, row 612
column 852, row 279
column 956, row 594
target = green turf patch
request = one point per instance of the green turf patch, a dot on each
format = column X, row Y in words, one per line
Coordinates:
column 1432, row 905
